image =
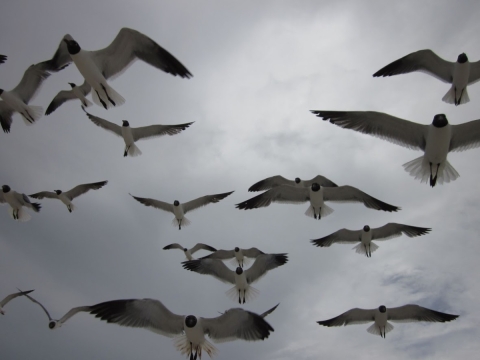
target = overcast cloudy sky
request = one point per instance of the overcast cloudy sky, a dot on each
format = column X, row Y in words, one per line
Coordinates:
column 258, row 67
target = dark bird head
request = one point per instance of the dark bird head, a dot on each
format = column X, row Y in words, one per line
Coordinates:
column 72, row 46
column 315, row 187
column 382, row 309
column 176, row 203
column 185, row 249
column 440, row 120
column 72, row 85
column 52, row 324
column 125, row 123
column 237, row 249
column 190, row 321
column 5, row 188
column 239, row 271
column 1, row 92
column 366, row 228
column 297, row 180
column 462, row 58
column 58, row 192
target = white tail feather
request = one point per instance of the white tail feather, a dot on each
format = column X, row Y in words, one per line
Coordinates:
column 250, row 294
column 420, row 169
column 185, row 222
column 133, row 150
column 112, row 94
column 360, row 248
column 182, row 344
column 35, row 112
column 375, row 330
column 72, row 207
column 449, row 97
column 324, row 211
column 23, row 215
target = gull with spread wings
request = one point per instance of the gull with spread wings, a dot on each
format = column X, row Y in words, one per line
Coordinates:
column 17, row 201
column 277, row 180
column 189, row 252
column 76, row 92
column 239, row 256
column 10, row 297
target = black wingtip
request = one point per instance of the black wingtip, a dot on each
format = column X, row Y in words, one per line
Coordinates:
column 281, row 259
column 191, row 265
column 36, row 206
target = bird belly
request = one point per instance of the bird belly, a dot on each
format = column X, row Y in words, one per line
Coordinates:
column 461, row 72
column 195, row 335
column 316, row 199
column 10, row 199
column 241, row 282
column 88, row 69
column 438, row 143
column 14, row 101
column 178, row 211
column 127, row 135
column 64, row 199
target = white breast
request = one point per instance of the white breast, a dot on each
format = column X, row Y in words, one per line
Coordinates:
column 127, row 135
column 366, row 237
column 438, row 143
column 461, row 72
column 88, row 68
column 195, row 335
column 178, row 211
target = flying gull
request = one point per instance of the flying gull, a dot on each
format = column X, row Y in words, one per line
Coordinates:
column 240, row 278
column 380, row 317
column 435, row 140
column 316, row 195
column 10, row 297
column 67, row 196
column 76, row 92
column 366, row 235
column 273, row 181
column 180, row 209
column 98, row 66
column 17, row 201
column 188, row 252
column 131, row 135
column 239, row 256
column 460, row 73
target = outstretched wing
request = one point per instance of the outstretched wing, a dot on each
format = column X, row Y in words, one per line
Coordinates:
column 342, row 236
column 44, row 194
column 213, row 267
column 6, row 112
column 10, row 297
column 350, row 193
column 413, row 313
column 154, row 203
column 158, row 130
column 350, row 317
column 31, row 81
column 107, row 125
column 83, row 188
column 264, row 263
column 201, row 246
column 320, row 180
column 66, row 95
column 465, row 136
column 204, row 200
column 392, row 230
column 283, row 194
column 271, row 182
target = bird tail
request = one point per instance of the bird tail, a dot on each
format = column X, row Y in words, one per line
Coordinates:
column 375, row 330
column 176, row 222
column 450, row 97
column 360, row 248
column 234, row 261
column 32, row 113
column 23, row 215
column 107, row 97
column 133, row 150
column 420, row 169
column 35, row 206
column 250, row 294
column 324, row 211
column 183, row 345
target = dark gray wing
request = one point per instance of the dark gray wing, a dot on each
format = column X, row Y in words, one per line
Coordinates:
column 350, row 193
column 398, row 131
column 44, row 194
column 6, row 112
column 173, row 246
column 350, row 317
column 422, row 60
column 155, row 203
column 252, row 252
column 392, row 230
column 413, row 313
column 158, row 130
column 66, row 95
column 31, row 81
column 236, row 324
column 83, row 188
column 213, row 267
column 342, row 236
column 204, row 200
column 269, row 311
column 264, row 263
column 107, row 125
column 140, row 313
column 25, row 201
column 271, row 182
column 201, row 246
column 130, row 45
column 60, row 60
column 283, row 194
column 465, row 136
column 320, row 180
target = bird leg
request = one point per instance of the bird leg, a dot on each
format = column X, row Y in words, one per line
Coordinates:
column 102, row 102
column 69, row 208
column 244, row 296
column 180, row 224
column 433, row 179
column 29, row 117
column 125, row 153
column 108, row 97
column 239, row 297
column 191, row 351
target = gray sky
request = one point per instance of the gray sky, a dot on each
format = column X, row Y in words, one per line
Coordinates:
column 258, row 68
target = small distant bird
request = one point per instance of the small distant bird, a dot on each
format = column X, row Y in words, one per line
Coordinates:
column 3, row 58
column 460, row 73
column 316, row 195
column 98, row 66
column 77, row 92
column 366, row 235
column 17, row 201
column 380, row 316
column 435, row 140
column 178, row 209
column 131, row 135
column 10, row 297
column 189, row 252
column 238, row 255
column 67, row 196
column 240, row 278
column 274, row 181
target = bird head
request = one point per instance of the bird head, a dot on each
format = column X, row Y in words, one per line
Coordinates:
column 185, row 249
column 366, row 228
column 1, row 92
column 190, row 321
column 315, row 187
column 237, row 249
column 462, row 58
column 440, row 120
column 5, row 188
column 297, row 180
column 54, row 324
column 72, row 85
column 72, row 46
column 382, row 309
column 176, row 203
column 125, row 123
column 58, row 192
column 239, row 271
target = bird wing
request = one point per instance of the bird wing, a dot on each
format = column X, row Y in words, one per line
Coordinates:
column 213, row 267
column 158, row 130
column 342, row 236
column 129, row 45
column 204, row 200
column 2, row 198
column 140, row 313
column 73, row 311
column 40, row 304
column 350, row 317
column 236, row 324
column 60, row 60
column 271, row 182
column 155, row 203
column 282, row 194
column 3, row 58
column 173, row 246
column 392, row 230
column 269, row 311
column 220, row 255
column 44, row 194
column 107, row 125
column 13, row 296
column 66, row 95
column 262, row 264
column 83, row 188
column 30, row 83
column 422, row 60
column 320, row 180
column 474, row 75
column 350, row 193
column 6, row 112
column 465, row 136
column 201, row 246
column 398, row 131
column 413, row 313
column 252, row 252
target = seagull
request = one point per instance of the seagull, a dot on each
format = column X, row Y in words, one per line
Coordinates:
column 435, row 140
column 238, row 255
column 67, row 196
column 189, row 252
column 131, row 135
column 271, row 182
column 366, row 235
column 316, row 194
column 460, row 73
column 55, row 324
column 179, row 209
column 240, row 278
column 98, row 66
column 10, row 297
column 3, row 58
column 77, row 92
column 380, row 316
column 17, row 201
